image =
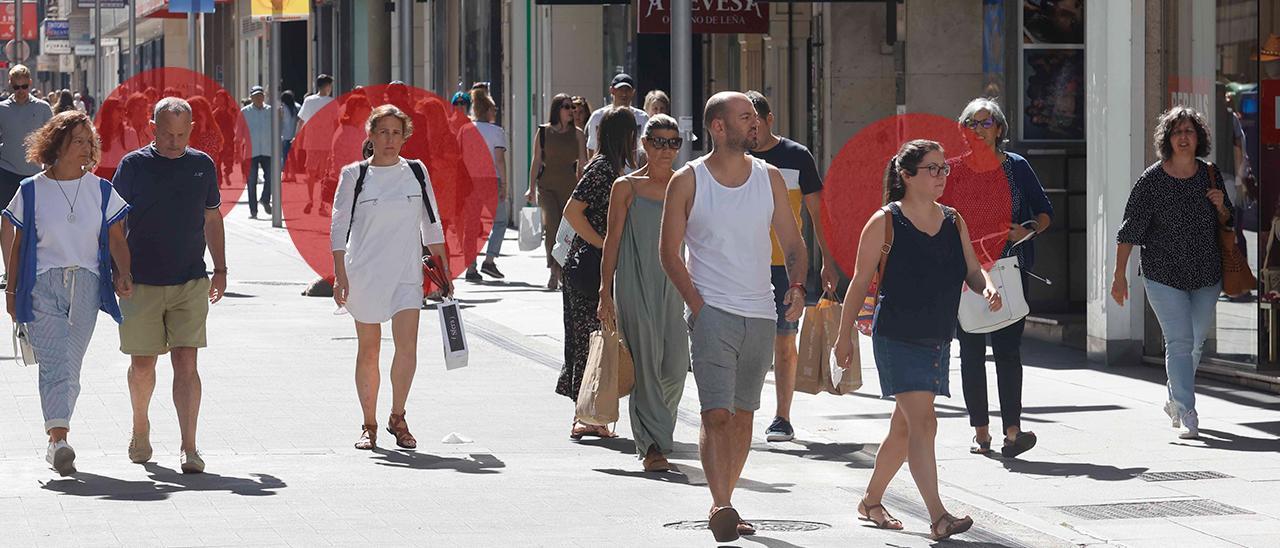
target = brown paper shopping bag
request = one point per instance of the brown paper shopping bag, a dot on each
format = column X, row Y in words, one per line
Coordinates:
column 837, row 380
column 810, row 364
column 608, row 376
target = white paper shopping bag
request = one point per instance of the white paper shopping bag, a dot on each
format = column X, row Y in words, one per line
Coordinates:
column 452, row 334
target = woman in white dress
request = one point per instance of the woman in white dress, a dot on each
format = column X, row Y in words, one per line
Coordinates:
column 378, row 240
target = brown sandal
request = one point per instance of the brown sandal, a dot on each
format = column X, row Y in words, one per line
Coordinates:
column 398, row 428
column 368, row 437
column 889, row 522
column 954, row 526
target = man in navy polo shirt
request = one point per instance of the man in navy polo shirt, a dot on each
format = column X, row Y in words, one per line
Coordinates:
column 174, row 193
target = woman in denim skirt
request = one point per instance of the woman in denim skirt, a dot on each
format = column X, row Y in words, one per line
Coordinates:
column 930, row 258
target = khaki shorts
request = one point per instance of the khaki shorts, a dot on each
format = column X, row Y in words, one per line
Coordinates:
column 160, row 317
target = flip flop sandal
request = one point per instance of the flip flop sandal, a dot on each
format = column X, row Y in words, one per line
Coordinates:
column 954, row 526
column 580, row 430
column 888, row 522
column 746, row 528
column 1021, row 443
column 724, row 524
column 980, row 447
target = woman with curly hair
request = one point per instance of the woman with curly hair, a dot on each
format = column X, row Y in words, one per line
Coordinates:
column 1174, row 213
column 60, row 280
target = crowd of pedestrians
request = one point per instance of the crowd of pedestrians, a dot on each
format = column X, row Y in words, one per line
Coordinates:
column 703, row 267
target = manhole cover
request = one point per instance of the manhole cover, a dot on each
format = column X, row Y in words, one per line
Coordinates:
column 1182, row 476
column 1153, row 509
column 774, row 525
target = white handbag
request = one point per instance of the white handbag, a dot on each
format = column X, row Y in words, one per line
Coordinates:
column 564, row 238
column 976, row 315
column 23, row 353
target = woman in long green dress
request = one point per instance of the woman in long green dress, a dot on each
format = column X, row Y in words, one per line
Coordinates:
column 648, row 311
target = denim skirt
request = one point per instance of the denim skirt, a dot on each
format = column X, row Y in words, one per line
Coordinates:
column 906, row 366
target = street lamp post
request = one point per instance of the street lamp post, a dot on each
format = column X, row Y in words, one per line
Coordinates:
column 405, row 10
column 682, row 73
column 134, row 62
column 277, row 159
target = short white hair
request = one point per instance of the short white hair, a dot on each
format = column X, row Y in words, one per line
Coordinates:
column 173, row 105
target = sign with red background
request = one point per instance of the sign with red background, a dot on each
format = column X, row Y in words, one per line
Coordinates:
column 709, row 16
column 30, row 27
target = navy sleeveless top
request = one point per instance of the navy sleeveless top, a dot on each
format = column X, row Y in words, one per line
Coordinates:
column 923, row 278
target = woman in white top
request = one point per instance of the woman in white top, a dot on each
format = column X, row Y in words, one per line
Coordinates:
column 68, row 234
column 378, row 240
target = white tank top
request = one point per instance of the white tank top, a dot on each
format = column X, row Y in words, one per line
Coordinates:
column 729, row 250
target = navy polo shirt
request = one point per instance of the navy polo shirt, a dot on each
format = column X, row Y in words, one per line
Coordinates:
column 166, row 225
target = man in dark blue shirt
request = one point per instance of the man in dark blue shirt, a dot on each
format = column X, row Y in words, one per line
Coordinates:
column 174, row 191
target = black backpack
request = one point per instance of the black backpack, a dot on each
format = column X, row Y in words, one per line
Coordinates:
column 418, row 171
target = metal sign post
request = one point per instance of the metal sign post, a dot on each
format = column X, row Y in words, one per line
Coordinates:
column 277, row 158
column 98, row 84
column 134, row 62
column 682, row 73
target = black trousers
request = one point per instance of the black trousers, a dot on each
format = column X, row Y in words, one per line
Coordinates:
column 1006, row 347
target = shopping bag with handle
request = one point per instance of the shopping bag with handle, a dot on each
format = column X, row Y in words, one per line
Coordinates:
column 530, row 228
column 598, row 394
column 452, row 332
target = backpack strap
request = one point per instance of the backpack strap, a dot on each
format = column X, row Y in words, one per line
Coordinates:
column 364, row 170
column 420, row 172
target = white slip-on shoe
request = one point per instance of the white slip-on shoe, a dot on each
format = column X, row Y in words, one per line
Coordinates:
column 62, row 457
column 1172, row 410
column 192, row 463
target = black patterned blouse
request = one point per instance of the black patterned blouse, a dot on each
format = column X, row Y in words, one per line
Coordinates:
column 1176, row 226
column 593, row 190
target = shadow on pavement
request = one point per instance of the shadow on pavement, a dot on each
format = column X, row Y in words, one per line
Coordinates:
column 769, row 542
column 1232, row 442
column 1099, row 472
column 499, row 283
column 163, row 483
column 850, row 453
column 479, row 463
column 628, row 447
column 687, row 474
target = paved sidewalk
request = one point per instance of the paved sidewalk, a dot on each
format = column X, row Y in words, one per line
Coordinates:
column 280, row 413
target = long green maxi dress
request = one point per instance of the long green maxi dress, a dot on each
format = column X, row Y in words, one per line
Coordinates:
column 651, row 320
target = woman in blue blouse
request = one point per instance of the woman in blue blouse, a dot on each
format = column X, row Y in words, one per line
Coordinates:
column 1031, row 213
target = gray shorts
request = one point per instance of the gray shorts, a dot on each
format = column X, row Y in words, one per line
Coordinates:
column 731, row 355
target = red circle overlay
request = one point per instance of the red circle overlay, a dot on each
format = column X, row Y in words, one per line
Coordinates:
column 459, row 165
column 220, row 131
column 854, row 186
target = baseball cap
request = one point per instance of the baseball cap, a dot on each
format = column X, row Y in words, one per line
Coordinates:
column 255, row 90
column 622, row 79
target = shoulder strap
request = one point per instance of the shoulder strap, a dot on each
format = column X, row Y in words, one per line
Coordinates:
column 542, row 141
column 355, row 199
column 420, row 172
column 888, row 242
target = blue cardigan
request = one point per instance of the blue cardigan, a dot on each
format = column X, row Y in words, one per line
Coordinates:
column 27, row 266
column 1034, row 200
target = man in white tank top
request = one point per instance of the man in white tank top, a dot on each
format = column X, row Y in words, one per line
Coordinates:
column 721, row 207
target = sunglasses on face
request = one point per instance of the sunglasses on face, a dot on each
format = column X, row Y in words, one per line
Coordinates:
column 660, row 143
column 566, row 107
column 984, row 124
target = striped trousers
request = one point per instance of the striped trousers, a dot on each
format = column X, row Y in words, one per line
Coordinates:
column 65, row 301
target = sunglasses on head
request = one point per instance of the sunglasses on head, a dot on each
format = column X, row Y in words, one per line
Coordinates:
column 984, row 124
column 660, row 143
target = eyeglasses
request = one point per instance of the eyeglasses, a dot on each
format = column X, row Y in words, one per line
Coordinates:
column 936, row 170
column 985, row 124
column 660, row 143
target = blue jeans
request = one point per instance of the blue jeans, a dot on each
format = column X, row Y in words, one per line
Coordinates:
column 501, row 214
column 1185, row 317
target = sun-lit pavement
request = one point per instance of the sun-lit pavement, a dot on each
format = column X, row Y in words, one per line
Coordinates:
column 280, row 414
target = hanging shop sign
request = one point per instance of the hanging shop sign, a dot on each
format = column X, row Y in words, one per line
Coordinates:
column 709, row 16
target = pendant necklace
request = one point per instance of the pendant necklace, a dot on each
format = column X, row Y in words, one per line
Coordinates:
column 71, row 202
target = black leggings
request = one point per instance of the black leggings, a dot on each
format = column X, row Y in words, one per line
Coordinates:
column 1006, row 347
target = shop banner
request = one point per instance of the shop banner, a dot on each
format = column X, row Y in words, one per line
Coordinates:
column 1270, row 119
column 279, row 10
column 56, row 39
column 709, row 16
column 30, row 25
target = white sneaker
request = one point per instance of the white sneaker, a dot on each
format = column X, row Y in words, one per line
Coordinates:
column 1172, row 410
column 1191, row 426
column 62, row 458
